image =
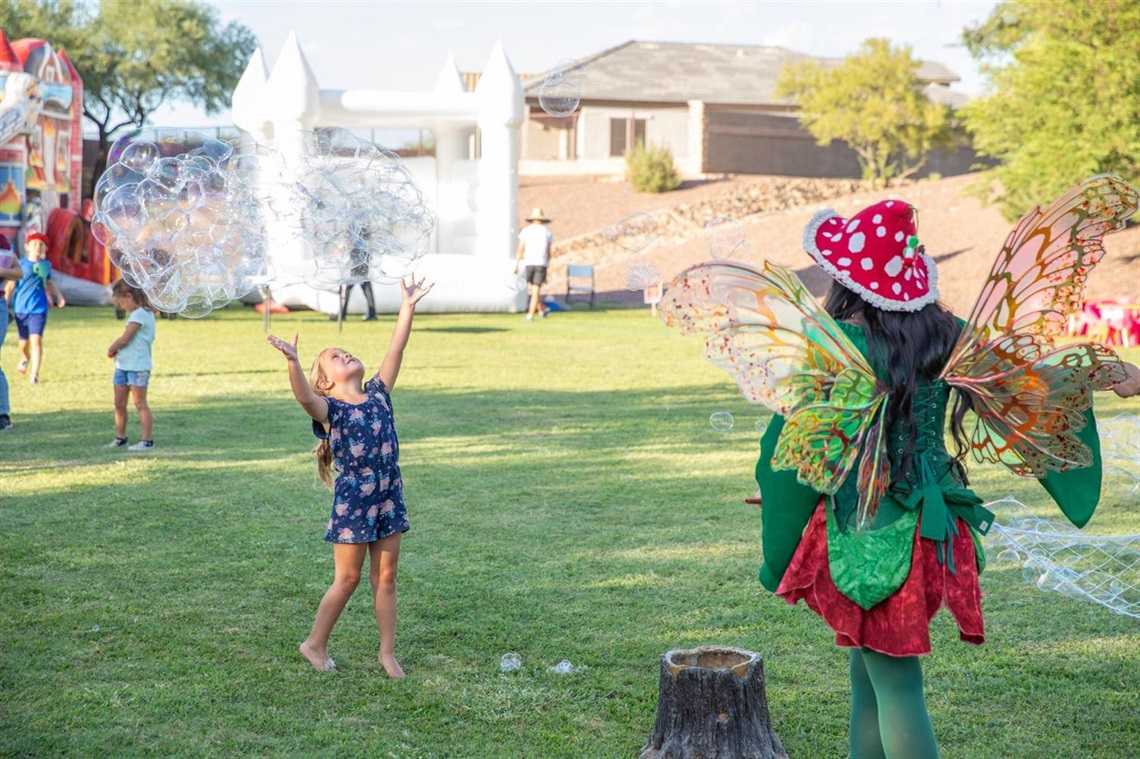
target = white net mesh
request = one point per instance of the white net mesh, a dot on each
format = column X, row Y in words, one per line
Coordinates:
column 1104, row 569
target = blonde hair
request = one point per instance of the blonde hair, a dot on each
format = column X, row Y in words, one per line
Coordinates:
column 323, row 449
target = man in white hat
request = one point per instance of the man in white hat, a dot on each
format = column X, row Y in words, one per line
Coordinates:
column 534, row 254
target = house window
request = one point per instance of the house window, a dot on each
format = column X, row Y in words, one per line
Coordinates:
column 624, row 134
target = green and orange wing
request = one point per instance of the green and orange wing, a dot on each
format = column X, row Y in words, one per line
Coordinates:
column 1029, row 394
column 784, row 351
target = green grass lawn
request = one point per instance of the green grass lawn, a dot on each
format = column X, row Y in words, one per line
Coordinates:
column 568, row 499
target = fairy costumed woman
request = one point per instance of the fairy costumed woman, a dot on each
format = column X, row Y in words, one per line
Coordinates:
column 862, row 387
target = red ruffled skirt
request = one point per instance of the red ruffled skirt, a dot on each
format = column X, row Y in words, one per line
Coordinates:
column 898, row 625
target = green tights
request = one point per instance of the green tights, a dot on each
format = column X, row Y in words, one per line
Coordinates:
column 889, row 719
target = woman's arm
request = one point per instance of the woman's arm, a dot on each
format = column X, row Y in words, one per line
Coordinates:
column 314, row 405
column 1130, row 386
column 412, row 293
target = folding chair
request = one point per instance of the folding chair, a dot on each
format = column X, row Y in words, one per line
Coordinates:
column 579, row 281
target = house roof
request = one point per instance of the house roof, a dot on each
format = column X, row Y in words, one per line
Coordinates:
column 676, row 72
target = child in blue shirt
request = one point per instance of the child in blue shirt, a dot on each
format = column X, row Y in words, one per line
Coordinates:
column 31, row 303
column 133, row 364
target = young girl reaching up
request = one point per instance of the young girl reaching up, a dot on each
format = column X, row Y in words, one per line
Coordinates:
column 353, row 420
column 867, row 517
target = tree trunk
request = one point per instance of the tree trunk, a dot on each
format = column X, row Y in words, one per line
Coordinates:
column 711, row 704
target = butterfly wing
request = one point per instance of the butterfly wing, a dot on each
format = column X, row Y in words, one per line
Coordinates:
column 765, row 329
column 1030, row 395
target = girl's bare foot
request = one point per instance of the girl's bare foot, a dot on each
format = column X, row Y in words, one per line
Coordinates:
column 319, row 659
column 391, row 666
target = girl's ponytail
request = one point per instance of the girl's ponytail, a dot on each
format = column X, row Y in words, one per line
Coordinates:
column 323, row 452
column 323, row 449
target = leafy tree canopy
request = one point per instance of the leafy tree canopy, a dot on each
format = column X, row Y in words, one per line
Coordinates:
column 874, row 101
column 136, row 55
column 1063, row 100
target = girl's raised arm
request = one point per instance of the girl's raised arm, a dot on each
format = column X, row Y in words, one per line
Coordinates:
column 411, row 293
column 314, row 405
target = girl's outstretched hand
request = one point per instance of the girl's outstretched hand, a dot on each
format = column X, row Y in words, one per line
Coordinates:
column 289, row 349
column 1130, row 386
column 413, row 291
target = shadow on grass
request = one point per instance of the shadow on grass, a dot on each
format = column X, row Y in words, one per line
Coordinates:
column 463, row 330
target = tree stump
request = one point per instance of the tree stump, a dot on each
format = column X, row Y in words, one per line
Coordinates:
column 711, row 704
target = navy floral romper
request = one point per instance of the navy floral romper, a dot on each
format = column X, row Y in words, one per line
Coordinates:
column 368, row 501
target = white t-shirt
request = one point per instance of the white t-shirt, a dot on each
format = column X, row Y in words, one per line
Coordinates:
column 135, row 355
column 536, row 239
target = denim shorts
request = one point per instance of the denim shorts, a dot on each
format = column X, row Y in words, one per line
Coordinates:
column 134, row 379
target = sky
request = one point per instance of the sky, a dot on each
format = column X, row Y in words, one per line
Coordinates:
column 372, row 44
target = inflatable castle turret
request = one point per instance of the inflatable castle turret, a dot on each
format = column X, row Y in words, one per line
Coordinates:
column 471, row 183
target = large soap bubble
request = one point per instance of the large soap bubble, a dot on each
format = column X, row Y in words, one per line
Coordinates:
column 197, row 222
column 561, row 91
column 724, row 238
column 633, row 233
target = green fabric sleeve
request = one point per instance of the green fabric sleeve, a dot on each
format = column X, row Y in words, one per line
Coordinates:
column 786, row 507
column 1077, row 491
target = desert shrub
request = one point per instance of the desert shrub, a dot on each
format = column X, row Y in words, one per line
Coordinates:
column 651, row 169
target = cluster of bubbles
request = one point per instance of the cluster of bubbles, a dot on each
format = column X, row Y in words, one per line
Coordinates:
column 354, row 207
column 1120, row 451
column 513, row 662
column 561, row 92
column 196, row 222
column 1056, row 557
column 514, row 280
column 724, row 421
column 640, row 275
column 724, row 238
column 177, row 222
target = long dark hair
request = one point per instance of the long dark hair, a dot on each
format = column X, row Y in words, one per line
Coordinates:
column 912, row 346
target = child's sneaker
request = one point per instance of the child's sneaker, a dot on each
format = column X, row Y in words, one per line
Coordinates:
column 118, row 442
column 142, row 445
column 5, row 422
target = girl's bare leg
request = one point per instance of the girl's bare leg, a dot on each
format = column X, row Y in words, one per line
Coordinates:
column 348, row 558
column 146, row 421
column 384, row 558
column 121, row 394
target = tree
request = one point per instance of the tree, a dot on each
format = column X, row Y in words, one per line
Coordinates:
column 874, row 101
column 136, row 55
column 1063, row 102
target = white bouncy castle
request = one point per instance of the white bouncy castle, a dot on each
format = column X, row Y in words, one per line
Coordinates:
column 475, row 200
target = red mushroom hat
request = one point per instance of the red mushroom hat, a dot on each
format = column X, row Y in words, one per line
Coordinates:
column 876, row 253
